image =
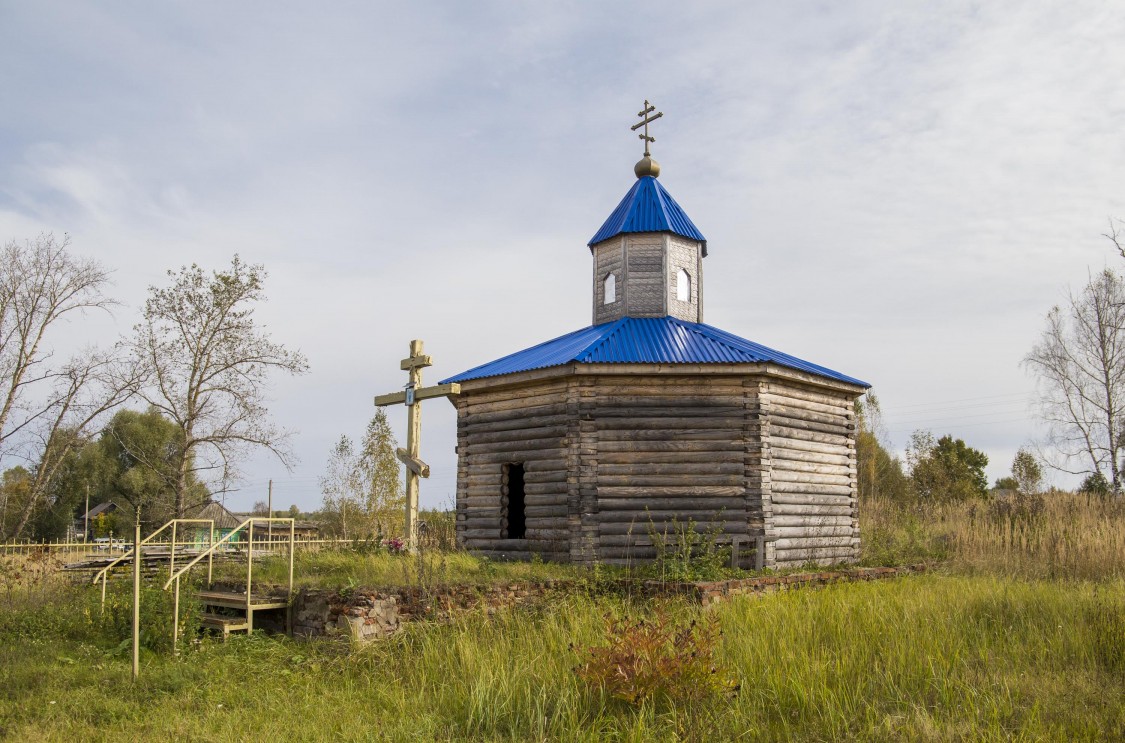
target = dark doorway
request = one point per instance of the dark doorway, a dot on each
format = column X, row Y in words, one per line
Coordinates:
column 514, row 522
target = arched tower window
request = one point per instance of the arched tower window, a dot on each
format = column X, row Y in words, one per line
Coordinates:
column 683, row 286
column 610, row 286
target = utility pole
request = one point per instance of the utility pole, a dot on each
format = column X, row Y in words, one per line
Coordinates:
column 86, row 524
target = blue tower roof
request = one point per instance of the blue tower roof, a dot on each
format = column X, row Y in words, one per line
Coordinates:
column 648, row 207
column 646, row 340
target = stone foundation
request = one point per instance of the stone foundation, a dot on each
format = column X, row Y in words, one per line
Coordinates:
column 368, row 614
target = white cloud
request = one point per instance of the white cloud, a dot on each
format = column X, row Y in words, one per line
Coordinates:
column 895, row 191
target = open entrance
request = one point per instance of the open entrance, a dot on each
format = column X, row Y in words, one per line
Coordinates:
column 513, row 522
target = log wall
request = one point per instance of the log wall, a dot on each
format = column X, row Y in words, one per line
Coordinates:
column 516, row 425
column 812, row 489
column 613, row 459
column 665, row 452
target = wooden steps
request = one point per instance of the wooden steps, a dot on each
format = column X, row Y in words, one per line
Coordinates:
column 244, row 606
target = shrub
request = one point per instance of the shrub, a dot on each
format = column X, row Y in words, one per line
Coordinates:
column 657, row 660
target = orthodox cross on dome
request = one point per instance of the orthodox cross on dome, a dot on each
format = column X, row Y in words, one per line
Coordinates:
column 413, row 396
column 647, row 166
column 649, row 108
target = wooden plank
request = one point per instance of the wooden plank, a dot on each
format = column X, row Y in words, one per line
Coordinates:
column 691, row 459
column 683, row 444
column 679, row 482
column 424, row 393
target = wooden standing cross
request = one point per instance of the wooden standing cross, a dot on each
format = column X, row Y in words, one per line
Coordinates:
column 412, row 396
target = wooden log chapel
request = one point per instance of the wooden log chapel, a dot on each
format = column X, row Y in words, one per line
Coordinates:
column 581, row 448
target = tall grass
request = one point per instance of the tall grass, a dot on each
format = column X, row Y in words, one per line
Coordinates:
column 931, row 658
column 1056, row 535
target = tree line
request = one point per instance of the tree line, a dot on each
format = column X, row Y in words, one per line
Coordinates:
column 1079, row 368
column 196, row 365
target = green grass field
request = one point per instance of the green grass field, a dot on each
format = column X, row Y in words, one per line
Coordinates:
column 1026, row 651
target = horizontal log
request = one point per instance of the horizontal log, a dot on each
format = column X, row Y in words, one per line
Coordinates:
column 554, row 498
column 812, row 542
column 716, row 466
column 810, row 416
column 650, row 516
column 726, row 453
column 670, row 400
column 800, row 487
column 532, row 416
column 793, row 532
column 811, row 510
column 670, row 529
column 791, row 467
column 783, row 421
column 478, row 533
column 691, row 414
column 546, row 511
column 799, row 434
column 684, row 503
column 786, row 558
column 732, row 425
column 678, row 482
column 515, row 434
column 474, row 501
column 796, row 403
column 812, row 499
column 681, row 445
column 705, row 491
column 516, row 444
column 553, row 459
column 789, row 476
column 542, row 533
column 658, row 436
column 802, row 446
column 511, row 422
column 546, row 396
column 791, row 392
column 827, row 454
column 807, row 520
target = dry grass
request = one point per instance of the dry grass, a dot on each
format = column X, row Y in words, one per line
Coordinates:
column 1057, row 535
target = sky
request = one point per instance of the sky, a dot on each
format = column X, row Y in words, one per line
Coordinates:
column 899, row 191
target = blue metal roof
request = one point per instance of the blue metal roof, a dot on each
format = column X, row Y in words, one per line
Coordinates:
column 646, row 340
column 648, row 207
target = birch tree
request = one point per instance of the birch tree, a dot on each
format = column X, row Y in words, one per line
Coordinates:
column 1079, row 363
column 48, row 406
column 203, row 362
